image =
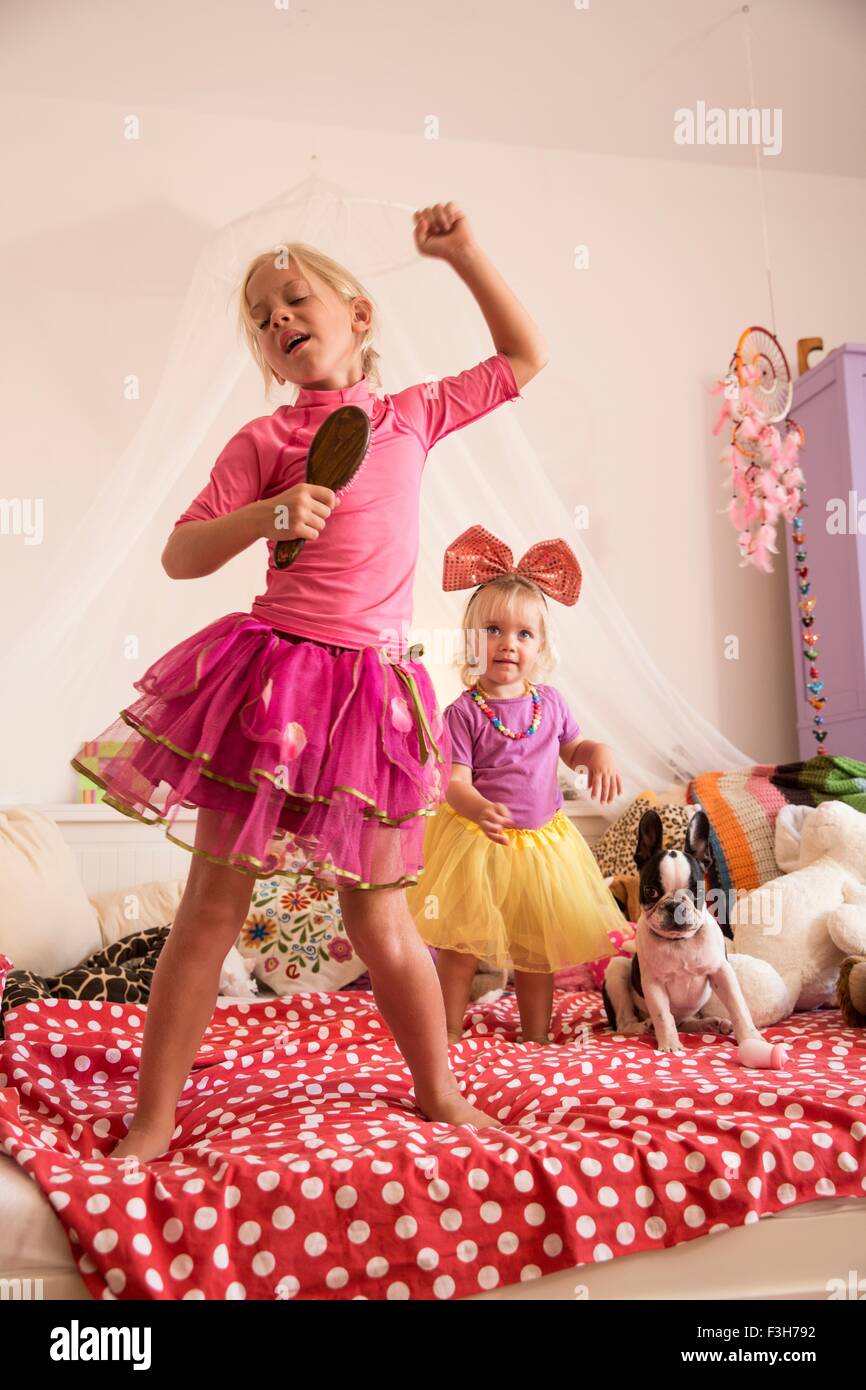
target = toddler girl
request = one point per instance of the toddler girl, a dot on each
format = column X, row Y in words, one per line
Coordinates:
column 304, row 726
column 508, row 878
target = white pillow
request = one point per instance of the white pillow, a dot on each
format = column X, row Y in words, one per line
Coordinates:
column 47, row 923
column 122, row 911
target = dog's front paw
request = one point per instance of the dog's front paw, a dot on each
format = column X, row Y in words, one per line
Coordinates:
column 670, row 1045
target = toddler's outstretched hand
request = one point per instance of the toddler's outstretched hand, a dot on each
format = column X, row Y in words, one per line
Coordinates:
column 493, row 820
column 442, row 230
column 604, row 779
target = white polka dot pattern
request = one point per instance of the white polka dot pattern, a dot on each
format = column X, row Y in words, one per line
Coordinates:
column 301, row 1169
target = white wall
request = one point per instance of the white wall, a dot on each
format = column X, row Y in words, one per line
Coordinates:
column 98, row 249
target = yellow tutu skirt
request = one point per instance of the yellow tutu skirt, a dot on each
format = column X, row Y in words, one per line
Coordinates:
column 538, row 903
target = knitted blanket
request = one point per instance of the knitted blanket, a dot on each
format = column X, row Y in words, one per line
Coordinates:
column 742, row 807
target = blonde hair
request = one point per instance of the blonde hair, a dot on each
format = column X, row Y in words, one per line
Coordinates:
column 341, row 280
column 511, row 594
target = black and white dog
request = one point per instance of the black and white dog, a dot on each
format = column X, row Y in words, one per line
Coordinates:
column 681, row 954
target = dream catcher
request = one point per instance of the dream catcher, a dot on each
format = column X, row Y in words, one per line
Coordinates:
column 765, row 477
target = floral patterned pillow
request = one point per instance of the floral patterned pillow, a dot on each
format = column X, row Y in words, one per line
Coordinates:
column 297, row 938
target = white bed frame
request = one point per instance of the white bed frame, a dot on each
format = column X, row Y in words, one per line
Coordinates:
column 115, row 851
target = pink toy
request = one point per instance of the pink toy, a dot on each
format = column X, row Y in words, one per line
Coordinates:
column 757, row 1052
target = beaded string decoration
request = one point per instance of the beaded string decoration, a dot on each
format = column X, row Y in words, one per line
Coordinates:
column 478, row 696
column 815, row 684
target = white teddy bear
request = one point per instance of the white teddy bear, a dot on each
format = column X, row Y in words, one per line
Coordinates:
column 792, row 934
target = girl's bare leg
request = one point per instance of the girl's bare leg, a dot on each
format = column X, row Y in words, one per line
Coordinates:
column 456, row 971
column 380, row 926
column 183, row 994
column 535, row 1002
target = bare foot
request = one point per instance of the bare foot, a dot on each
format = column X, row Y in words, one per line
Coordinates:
column 454, row 1110
column 143, row 1144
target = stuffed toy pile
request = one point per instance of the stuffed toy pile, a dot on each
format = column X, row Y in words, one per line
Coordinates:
column 793, row 935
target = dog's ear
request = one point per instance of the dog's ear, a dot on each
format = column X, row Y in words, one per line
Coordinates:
column 649, row 837
column 698, row 840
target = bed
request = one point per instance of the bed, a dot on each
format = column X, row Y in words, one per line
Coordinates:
column 301, row 1170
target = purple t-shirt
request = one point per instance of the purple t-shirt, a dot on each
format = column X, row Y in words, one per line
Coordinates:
column 520, row 772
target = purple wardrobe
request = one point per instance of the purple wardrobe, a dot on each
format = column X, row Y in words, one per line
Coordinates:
column 830, row 405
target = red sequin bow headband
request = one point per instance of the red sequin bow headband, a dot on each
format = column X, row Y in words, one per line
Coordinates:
column 476, row 557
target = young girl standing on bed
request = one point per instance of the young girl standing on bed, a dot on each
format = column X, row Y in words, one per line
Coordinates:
column 508, row 877
column 297, row 716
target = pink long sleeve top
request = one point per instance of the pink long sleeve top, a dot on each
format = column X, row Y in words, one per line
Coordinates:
column 353, row 584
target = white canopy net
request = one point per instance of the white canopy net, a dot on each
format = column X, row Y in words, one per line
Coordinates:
column 488, row 472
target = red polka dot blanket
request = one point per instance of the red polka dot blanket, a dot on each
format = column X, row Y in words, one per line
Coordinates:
column 301, row 1169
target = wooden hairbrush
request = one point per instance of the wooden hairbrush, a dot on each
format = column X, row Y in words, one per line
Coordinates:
column 338, row 449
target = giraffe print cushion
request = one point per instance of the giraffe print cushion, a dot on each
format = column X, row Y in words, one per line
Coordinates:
column 120, row 974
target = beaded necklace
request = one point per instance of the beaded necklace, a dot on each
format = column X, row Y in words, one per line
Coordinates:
column 478, row 696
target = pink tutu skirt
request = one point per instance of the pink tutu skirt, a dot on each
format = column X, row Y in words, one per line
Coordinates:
column 318, row 760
